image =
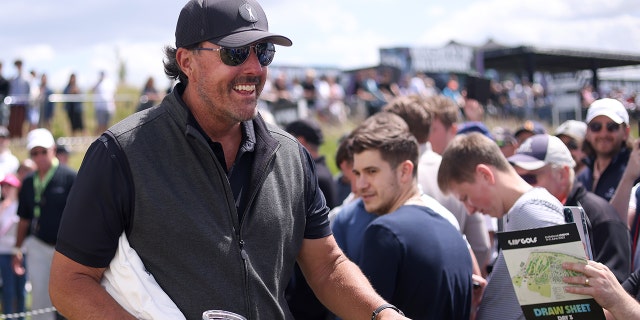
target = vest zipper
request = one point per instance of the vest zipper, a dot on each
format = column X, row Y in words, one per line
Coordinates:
column 245, row 258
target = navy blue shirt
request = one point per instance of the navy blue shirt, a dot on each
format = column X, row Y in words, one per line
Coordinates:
column 418, row 261
column 609, row 178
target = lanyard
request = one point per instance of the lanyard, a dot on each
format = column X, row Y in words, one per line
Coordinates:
column 40, row 185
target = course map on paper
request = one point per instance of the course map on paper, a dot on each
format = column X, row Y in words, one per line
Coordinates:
column 537, row 278
column 534, row 258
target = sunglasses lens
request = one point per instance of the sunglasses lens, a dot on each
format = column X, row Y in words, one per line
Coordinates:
column 237, row 56
column 572, row 145
column 266, row 52
column 595, row 126
column 612, row 127
column 234, row 56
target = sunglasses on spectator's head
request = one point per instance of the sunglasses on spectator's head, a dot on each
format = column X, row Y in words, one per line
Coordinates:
column 597, row 126
column 237, row 56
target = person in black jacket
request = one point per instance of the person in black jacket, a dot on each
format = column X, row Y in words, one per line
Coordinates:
column 545, row 161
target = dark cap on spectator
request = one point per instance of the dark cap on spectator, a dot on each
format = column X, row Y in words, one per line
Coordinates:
column 307, row 129
column 61, row 149
column 474, row 126
column 227, row 23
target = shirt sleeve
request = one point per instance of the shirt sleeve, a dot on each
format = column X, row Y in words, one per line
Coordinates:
column 98, row 207
column 317, row 225
column 380, row 257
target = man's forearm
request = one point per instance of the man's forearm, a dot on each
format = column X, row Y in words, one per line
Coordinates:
column 78, row 295
column 347, row 292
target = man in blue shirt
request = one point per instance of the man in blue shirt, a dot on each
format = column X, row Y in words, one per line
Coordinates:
column 409, row 249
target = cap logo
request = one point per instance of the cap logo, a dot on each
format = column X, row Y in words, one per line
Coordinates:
column 246, row 12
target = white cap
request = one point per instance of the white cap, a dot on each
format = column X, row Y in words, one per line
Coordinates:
column 572, row 128
column 540, row 150
column 40, row 137
column 611, row 108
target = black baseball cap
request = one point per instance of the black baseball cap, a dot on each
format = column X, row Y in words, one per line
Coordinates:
column 227, row 23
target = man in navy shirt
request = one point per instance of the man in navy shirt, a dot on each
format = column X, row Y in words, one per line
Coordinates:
column 409, row 250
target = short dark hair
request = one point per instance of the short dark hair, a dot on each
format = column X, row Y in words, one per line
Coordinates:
column 389, row 134
column 343, row 153
column 413, row 110
column 442, row 108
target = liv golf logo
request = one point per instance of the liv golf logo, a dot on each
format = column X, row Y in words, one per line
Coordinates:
column 515, row 242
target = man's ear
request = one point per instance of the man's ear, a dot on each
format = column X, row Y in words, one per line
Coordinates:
column 406, row 170
column 485, row 173
column 184, row 60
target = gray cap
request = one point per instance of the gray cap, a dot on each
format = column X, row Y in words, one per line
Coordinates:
column 227, row 23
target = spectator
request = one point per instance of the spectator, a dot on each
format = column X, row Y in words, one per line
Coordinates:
column 47, row 107
column 104, row 93
column 528, row 129
column 544, row 161
column 344, row 189
column 310, row 135
column 13, row 285
column 62, row 153
column 73, row 106
column 572, row 133
column 444, row 125
column 409, row 250
column 149, row 95
column 4, row 91
column 19, row 90
column 8, row 162
column 444, row 116
column 415, row 112
column 608, row 148
column 41, row 201
column 35, row 101
column 505, row 140
column 477, row 173
column 302, row 301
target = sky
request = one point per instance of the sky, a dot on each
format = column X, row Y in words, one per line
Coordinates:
column 83, row 37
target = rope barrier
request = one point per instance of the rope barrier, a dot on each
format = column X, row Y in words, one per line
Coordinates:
column 27, row 313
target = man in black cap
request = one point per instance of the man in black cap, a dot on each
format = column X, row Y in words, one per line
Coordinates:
column 215, row 204
column 310, row 135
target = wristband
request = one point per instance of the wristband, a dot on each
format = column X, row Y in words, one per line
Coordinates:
column 382, row 307
column 16, row 250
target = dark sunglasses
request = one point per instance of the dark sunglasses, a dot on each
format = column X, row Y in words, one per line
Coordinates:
column 237, row 56
column 572, row 145
column 35, row 153
column 531, row 179
column 597, row 126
